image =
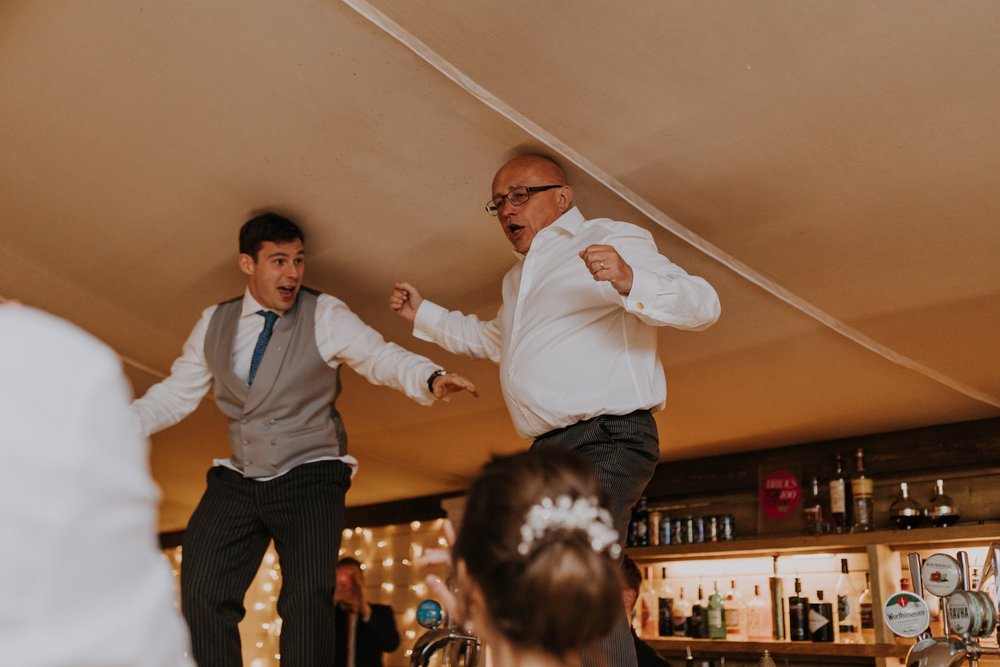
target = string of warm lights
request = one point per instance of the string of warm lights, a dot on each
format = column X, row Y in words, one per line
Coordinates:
column 386, row 553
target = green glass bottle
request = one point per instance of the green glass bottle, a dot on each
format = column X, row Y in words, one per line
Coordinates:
column 716, row 615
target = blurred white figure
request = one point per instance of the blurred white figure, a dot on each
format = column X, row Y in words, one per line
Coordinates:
column 83, row 578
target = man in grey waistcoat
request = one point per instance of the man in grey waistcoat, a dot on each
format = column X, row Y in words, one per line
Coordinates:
column 274, row 356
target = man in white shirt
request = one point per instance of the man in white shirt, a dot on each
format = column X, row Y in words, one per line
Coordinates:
column 575, row 337
column 85, row 582
column 274, row 357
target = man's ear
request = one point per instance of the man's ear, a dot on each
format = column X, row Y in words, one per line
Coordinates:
column 565, row 200
column 247, row 263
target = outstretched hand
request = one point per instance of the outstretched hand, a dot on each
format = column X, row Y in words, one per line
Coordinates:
column 448, row 384
column 604, row 263
column 405, row 299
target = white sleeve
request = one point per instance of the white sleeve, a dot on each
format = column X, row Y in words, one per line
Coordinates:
column 177, row 396
column 457, row 332
column 663, row 294
column 342, row 337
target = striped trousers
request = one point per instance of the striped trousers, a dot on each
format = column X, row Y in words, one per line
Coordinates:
column 236, row 519
column 624, row 450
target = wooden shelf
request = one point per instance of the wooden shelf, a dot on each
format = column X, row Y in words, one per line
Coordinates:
column 898, row 540
column 727, row 647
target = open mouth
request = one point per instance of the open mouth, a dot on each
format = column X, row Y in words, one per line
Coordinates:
column 287, row 292
column 512, row 230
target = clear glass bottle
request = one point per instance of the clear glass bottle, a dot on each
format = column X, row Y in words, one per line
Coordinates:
column 906, row 512
column 862, row 491
column 680, row 613
column 812, row 510
column 777, row 585
column 848, row 616
column 867, row 612
column 758, row 617
column 736, row 627
column 941, row 509
column 766, row 660
column 716, row 615
column 839, row 496
column 647, row 607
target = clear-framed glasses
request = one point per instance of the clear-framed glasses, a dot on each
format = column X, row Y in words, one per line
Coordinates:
column 516, row 197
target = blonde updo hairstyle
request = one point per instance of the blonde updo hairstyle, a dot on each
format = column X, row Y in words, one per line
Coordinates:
column 563, row 593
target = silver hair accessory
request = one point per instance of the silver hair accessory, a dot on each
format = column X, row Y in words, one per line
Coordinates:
column 565, row 513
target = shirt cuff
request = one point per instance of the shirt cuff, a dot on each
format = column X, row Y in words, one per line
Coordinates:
column 643, row 294
column 426, row 320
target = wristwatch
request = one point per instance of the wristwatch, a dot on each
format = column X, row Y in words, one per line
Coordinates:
column 435, row 375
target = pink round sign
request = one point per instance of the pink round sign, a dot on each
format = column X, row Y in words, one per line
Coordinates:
column 779, row 494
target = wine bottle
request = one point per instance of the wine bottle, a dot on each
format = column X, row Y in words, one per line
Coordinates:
column 665, row 605
column 697, row 619
column 839, row 492
column 862, row 490
column 812, row 510
column 798, row 615
column 777, row 603
column 941, row 509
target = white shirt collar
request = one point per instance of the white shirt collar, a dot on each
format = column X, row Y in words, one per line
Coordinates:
column 571, row 222
column 251, row 306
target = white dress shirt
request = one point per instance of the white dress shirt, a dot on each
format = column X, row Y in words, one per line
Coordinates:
column 569, row 347
column 341, row 337
column 84, row 580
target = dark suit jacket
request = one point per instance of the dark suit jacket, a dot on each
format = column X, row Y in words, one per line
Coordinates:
column 647, row 655
column 377, row 636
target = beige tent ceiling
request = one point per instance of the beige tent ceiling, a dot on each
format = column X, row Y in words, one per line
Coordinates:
column 831, row 167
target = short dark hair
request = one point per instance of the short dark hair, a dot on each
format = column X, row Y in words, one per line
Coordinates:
column 267, row 227
column 630, row 571
column 347, row 560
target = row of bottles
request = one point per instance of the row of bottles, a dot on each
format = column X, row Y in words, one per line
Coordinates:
column 846, row 617
column 850, row 506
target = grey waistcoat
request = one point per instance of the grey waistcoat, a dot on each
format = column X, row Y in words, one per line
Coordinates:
column 288, row 416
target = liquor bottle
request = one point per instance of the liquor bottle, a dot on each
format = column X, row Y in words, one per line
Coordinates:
column 906, row 512
column 848, row 618
column 798, row 615
column 812, row 510
column 653, row 527
column 839, row 493
column 688, row 659
column 665, row 606
column 758, row 617
column 647, row 607
column 777, row 586
column 862, row 490
column 867, row 612
column 716, row 615
column 735, row 613
column 941, row 509
column 697, row 624
column 766, row 660
column 820, row 619
column 680, row 614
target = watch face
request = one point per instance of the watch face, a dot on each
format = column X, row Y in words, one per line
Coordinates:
column 941, row 575
column 906, row 614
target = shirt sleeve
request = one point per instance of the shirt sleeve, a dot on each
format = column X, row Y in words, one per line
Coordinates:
column 342, row 337
column 457, row 332
column 173, row 399
column 663, row 294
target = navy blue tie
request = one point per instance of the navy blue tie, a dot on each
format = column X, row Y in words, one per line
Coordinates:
column 265, row 335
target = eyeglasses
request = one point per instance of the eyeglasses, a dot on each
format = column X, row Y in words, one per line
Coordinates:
column 516, row 197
